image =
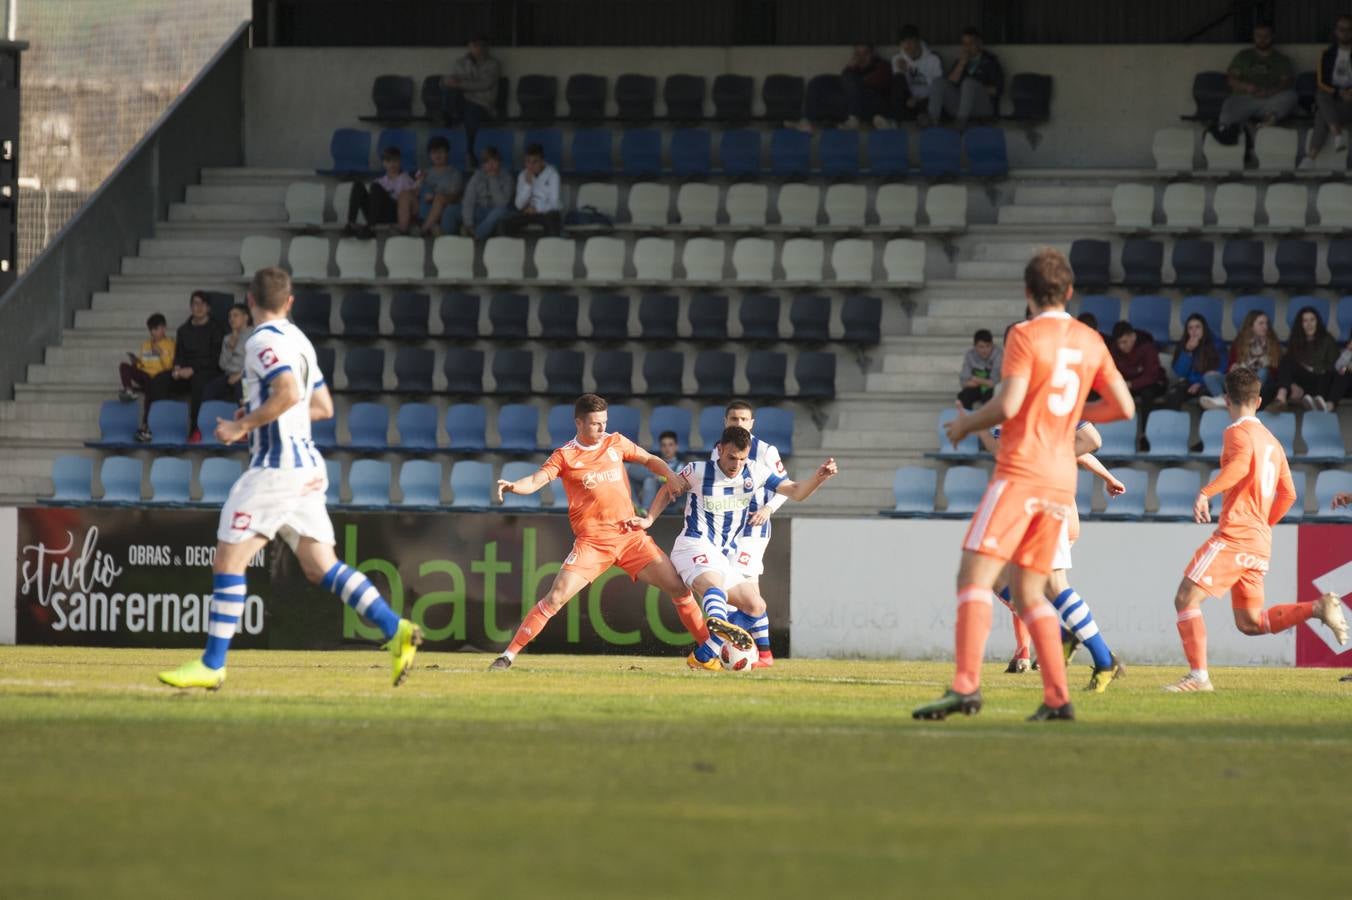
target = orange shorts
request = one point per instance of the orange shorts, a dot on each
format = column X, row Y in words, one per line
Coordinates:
column 1218, row 567
column 1019, row 523
column 593, row 555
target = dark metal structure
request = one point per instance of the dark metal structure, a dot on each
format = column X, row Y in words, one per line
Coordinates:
column 10, row 51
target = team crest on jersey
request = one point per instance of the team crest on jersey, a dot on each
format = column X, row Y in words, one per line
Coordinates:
column 747, row 484
column 240, row 521
column 614, row 457
column 267, row 357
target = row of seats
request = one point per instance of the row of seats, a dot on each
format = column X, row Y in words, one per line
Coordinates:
column 1170, row 435
column 1194, row 260
column 1277, row 150
column 741, row 152
column 751, row 260
column 914, row 494
column 745, row 206
column 1152, row 313
column 557, row 314
column 1234, row 207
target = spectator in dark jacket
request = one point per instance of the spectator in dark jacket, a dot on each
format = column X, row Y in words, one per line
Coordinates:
column 1333, row 99
column 974, row 83
column 1138, row 359
column 197, row 350
column 868, row 87
column 1308, row 369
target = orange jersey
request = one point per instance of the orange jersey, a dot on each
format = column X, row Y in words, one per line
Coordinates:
column 1061, row 359
column 1257, row 483
column 596, row 483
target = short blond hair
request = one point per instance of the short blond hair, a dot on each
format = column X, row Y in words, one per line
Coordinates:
column 270, row 287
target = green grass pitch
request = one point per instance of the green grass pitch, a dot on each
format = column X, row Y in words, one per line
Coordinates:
column 624, row 777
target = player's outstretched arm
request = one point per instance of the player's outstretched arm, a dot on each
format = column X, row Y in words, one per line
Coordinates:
column 655, row 509
column 1090, row 463
column 1087, row 439
column 1004, row 403
column 283, row 393
column 1115, row 402
column 1284, row 497
column 1341, row 499
column 659, row 467
column 801, row 490
column 528, row 485
column 321, row 404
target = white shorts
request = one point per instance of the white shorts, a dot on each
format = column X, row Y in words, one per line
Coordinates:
column 289, row 503
column 752, row 549
column 693, row 557
column 1062, row 558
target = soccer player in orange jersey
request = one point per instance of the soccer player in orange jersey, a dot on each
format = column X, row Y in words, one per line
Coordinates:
column 600, row 506
column 1051, row 363
column 1258, row 491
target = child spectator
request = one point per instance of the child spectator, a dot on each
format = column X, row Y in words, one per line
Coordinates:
column 390, row 198
column 1306, row 372
column 980, row 370
column 439, row 191
column 226, row 386
column 667, row 449
column 1255, row 348
column 148, row 370
column 488, row 197
column 918, row 73
column 1197, row 364
column 197, row 350
column 537, row 197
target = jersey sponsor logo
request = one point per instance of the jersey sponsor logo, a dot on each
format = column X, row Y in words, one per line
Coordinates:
column 1034, row 505
column 1249, row 561
column 743, row 558
column 571, row 557
column 610, row 452
column 779, row 465
column 724, row 504
column 701, row 560
column 240, row 521
column 592, row 479
column 267, row 357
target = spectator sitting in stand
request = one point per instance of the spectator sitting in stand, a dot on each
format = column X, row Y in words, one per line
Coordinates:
column 974, row 83
column 868, row 84
column 1333, row 98
column 980, row 370
column 1138, row 359
column 439, row 191
column 1198, row 364
column 197, row 348
column 393, row 197
column 1261, row 87
column 917, row 80
column 1342, row 377
column 1306, row 373
column 667, row 449
column 537, row 197
column 148, row 370
column 227, row 385
column 488, row 197
column 470, row 92
column 1255, row 348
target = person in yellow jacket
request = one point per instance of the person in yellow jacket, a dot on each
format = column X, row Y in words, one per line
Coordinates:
column 149, row 370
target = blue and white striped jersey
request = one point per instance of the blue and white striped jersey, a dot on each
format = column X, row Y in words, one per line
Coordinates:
column 273, row 348
column 767, row 454
column 717, row 507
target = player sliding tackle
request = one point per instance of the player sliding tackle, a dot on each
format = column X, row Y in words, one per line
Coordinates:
column 1256, row 480
column 599, row 509
column 1051, row 362
column 706, row 554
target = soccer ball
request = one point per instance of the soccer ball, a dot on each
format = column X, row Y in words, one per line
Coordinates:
column 735, row 660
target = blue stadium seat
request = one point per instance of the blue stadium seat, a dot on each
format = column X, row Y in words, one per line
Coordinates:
column 501, row 139
column 367, row 425
column 405, row 140
column 913, row 490
column 518, row 424
column 455, row 137
column 691, row 152
column 671, row 418
column 586, row 96
column 1193, row 260
column 558, row 316
column 217, row 476
column 609, row 316
column 1087, row 487
column 782, row 96
column 774, row 425
column 168, row 421
column 121, row 479
column 310, row 310
column 1119, row 439
column 1322, row 436
column 466, row 424
column 613, row 373
column 536, row 96
column 766, row 371
column 507, row 315
column 759, row 315
column 170, row 480
column 810, row 317
column 963, row 489
column 1143, row 263
column 1107, row 309
column 1340, row 264
column 1176, row 489
column 515, row 471
column 1209, row 308
column 1211, row 431
column 1283, row 428
column 683, row 96
column 657, row 315
column 862, row 318
column 1295, row 305
column 1151, row 313
column 714, row 373
column 824, row 100
column 417, row 426
column 838, row 151
column 1167, row 432
column 663, row 373
column 472, row 484
column 334, row 471
column 1344, row 318
column 561, row 424
column 118, row 422
column 641, row 152
column 1330, row 482
column 635, row 97
column 459, row 314
column 408, row 314
column 72, row 479
column 206, row 419
column 413, row 369
column 1130, row 505
column 790, row 153
column 1297, row 510
column 986, row 153
column 708, row 315
column 1296, row 260
column 711, row 426
column 464, row 371
column 550, row 141
column 739, row 152
column 1242, row 261
column 420, row 482
column 592, row 153
column 1091, row 261
column 327, row 359
column 623, row 420
column 351, row 152
column 324, row 432
column 732, row 96
column 940, row 153
column 393, row 98
column 369, row 482
column 1249, row 302
column 563, row 373
column 968, row 446
column 364, row 368
column 816, row 376
column 889, row 152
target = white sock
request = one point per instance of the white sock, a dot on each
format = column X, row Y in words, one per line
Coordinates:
column 508, row 655
column 1201, row 675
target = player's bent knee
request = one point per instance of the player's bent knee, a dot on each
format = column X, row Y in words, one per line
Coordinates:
column 1248, row 622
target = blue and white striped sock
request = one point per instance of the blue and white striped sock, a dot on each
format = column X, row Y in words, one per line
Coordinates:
column 758, row 626
column 1077, row 618
column 709, row 649
column 357, row 591
column 227, row 605
column 715, row 603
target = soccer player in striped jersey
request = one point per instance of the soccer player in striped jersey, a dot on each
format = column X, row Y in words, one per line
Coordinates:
column 756, row 536
column 1256, row 480
column 707, row 553
column 282, row 493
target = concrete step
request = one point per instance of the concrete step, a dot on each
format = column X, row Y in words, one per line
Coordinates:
column 255, row 175
column 68, row 429
column 1006, row 271
column 266, row 194
column 219, row 266
column 227, row 212
column 841, row 444
column 1063, row 195
column 912, row 381
column 190, row 245
column 965, row 289
column 180, row 286
column 1013, row 251
column 58, row 393
column 55, row 410
column 101, row 355
column 966, row 326
column 1010, row 303
column 1080, row 215
column 919, row 363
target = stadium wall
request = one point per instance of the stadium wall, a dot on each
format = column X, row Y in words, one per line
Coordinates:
column 1107, row 103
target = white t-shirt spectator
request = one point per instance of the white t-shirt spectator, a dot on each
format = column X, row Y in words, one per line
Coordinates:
column 541, row 192
column 396, row 185
column 920, row 73
column 1342, row 68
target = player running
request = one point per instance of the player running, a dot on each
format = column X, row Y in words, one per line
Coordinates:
column 600, row 507
column 1256, row 480
column 283, row 490
column 708, row 553
column 1051, row 363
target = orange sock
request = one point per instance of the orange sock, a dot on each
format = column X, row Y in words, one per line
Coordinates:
column 535, row 622
column 1021, row 636
column 692, row 617
column 974, row 626
column 1192, row 629
column 1287, row 615
column 1045, row 628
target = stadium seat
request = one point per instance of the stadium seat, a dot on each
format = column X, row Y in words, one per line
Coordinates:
column 368, row 426
column 732, row 96
column 518, row 426
column 72, row 479
column 354, row 258
column 635, row 97
column 889, row 153
column 702, row 259
column 1286, row 206
column 1184, row 206
column 168, row 422
column 455, row 138
column 1247, row 303
column 940, row 153
column 311, row 311
column 405, row 258
column 118, row 422
column 603, row 257
column 852, row 261
column 417, row 426
column 170, row 480
column 824, row 100
column 1193, row 261
column 1119, row 439
column 816, row 376
column 1107, row 310
column 1174, row 149
column 1150, row 313
column 753, row 260
column 1276, row 149
column 846, row 206
column 403, row 140
column 466, row 426
column 838, row 151
column 861, row 316
column 1211, row 431
column 1243, row 263
column 1134, row 206
column 258, row 251
column 790, row 153
column 697, row 204
column 536, row 96
column 561, row 425
column 350, row 149
column 711, row 426
column 746, row 204
column 904, row 261
column 551, row 143
column 1221, row 157
column 691, row 152
column 368, row 480
column 121, row 479
column 714, row 373
column 1328, row 483
column 657, row 315
column 913, row 489
column 1209, row 92
column 641, row 152
column 1167, row 432
column 1283, row 428
column 782, row 96
column 1323, row 437
column 505, row 258
column 810, row 318
column 609, row 317
column 968, row 446
column 502, row 140
column 360, row 314
column 586, row 96
column 1142, row 263
column 671, row 418
column 333, row 471
column 1236, row 206
column 1344, row 324
column 1031, row 96
column 797, row 205
column 946, row 206
column 759, row 315
column 555, row 259
column 304, row 204
column 774, row 425
column 563, row 373
column 1087, row 487
column 1130, row 505
column 326, row 357
column 654, row 259
column 592, row 154
column 364, row 369
column 613, row 373
column 419, row 483
column 515, row 471
column 662, row 373
column 453, row 258
column 963, row 488
column 459, row 314
column 1297, row 511
column 1340, row 264
column 409, row 312
column 602, row 197
column 987, row 156
column 896, row 205
column 683, row 96
column 649, row 202
column 464, row 371
column 217, row 476
column 766, row 371
column 413, row 368
column 739, row 152
column 1296, row 260
column 324, row 432
column 708, row 316
column 624, row 420
column 1176, row 490
column 1209, row 308
column 802, row 261
column 1333, row 205
column 1090, row 260
column 1296, row 305
column 512, row 371
column 210, row 411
